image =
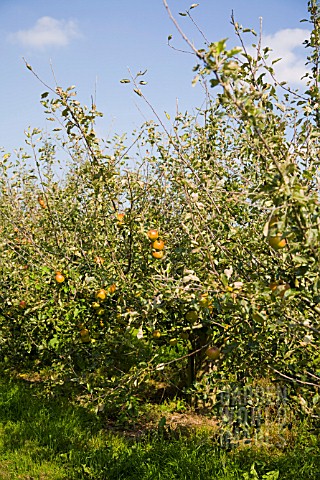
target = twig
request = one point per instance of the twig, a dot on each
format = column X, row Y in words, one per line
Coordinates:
column 191, row 354
column 294, row 380
column 185, row 38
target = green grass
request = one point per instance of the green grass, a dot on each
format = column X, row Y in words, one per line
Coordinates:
column 53, row 438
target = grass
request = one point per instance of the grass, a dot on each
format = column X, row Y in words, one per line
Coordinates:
column 55, row 438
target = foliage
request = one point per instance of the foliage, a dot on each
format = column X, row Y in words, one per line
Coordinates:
column 234, row 195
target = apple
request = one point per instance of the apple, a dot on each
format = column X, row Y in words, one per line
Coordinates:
column 192, row 316
column 156, row 334
column 42, row 202
column 84, row 334
column 153, row 234
column 213, row 353
column 101, row 294
column 59, row 277
column 158, row 254
column 158, row 244
column 184, row 335
column 277, row 241
column 22, row 304
column 120, row 218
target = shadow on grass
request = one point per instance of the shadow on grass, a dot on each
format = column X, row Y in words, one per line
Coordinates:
column 37, row 430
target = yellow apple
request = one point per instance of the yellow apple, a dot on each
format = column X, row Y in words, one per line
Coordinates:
column 59, row 277
column 101, row 294
column 277, row 241
column 156, row 334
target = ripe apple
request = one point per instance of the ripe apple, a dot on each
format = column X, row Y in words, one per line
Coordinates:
column 101, row 294
column 277, row 241
column 59, row 277
column 156, row 334
column 153, row 234
column 42, row 202
column 112, row 288
column 158, row 244
column 120, row 218
column 213, row 353
column 22, row 304
column 158, row 254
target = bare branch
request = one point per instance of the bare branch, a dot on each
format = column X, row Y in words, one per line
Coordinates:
column 294, row 380
column 185, row 38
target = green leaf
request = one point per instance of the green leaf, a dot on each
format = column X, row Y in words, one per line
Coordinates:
column 214, row 82
column 139, row 74
column 54, row 342
column 254, row 472
column 266, row 229
column 274, row 475
column 221, row 45
column 300, row 260
column 162, row 422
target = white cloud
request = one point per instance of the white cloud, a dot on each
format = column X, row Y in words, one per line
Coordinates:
column 287, row 45
column 46, row 32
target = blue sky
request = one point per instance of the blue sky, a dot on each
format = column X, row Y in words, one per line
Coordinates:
column 90, row 44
